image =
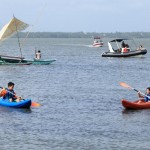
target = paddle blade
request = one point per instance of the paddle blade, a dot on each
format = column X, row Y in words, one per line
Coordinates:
column 35, row 104
column 123, row 84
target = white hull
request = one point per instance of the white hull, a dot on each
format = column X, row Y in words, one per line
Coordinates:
column 98, row 45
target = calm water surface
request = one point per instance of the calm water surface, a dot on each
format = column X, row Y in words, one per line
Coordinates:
column 80, row 97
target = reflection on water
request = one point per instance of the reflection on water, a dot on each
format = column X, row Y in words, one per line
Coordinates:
column 14, row 110
column 130, row 111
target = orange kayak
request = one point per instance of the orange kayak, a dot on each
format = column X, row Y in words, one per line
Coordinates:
column 135, row 105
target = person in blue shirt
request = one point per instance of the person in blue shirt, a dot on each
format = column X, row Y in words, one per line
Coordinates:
column 9, row 94
column 146, row 97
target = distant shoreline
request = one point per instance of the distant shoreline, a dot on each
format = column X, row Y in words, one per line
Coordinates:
column 84, row 34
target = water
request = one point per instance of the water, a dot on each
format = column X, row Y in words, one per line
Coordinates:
column 80, row 97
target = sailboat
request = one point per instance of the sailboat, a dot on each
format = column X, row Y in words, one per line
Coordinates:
column 13, row 27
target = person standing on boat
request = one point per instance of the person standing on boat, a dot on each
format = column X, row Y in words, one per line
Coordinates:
column 9, row 93
column 38, row 55
column 145, row 98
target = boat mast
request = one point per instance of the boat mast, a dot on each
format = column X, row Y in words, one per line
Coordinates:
column 18, row 37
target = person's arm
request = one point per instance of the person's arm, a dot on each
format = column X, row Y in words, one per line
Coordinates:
column 17, row 97
column 140, row 96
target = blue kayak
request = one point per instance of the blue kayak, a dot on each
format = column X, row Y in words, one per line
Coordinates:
column 22, row 104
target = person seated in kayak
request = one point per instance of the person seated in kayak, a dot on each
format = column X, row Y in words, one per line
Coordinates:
column 38, row 55
column 9, row 93
column 145, row 98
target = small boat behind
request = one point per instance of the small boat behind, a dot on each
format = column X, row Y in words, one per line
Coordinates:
column 135, row 105
column 118, row 49
column 39, row 62
column 11, row 60
column 22, row 104
column 97, row 42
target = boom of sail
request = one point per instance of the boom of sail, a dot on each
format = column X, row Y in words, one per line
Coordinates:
column 13, row 27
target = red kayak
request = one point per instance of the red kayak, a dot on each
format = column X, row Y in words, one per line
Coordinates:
column 135, row 105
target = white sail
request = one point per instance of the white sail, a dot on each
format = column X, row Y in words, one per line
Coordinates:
column 15, row 25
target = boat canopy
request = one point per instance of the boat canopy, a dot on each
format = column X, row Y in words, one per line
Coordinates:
column 15, row 25
column 97, row 37
column 110, row 47
column 118, row 40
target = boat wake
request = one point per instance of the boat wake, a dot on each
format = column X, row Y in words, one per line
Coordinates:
column 75, row 45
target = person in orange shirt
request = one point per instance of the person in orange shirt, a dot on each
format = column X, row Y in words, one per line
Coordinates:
column 9, row 94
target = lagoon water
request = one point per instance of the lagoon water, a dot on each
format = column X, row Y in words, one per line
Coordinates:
column 80, row 96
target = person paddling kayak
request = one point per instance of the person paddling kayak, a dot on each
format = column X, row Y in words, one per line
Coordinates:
column 146, row 97
column 9, row 94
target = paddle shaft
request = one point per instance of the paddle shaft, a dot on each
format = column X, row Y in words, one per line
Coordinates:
column 129, row 87
column 139, row 92
column 135, row 90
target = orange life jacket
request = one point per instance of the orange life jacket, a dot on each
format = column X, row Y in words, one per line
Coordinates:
column 125, row 50
column 3, row 93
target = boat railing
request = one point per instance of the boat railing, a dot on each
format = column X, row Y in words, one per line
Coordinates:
column 11, row 57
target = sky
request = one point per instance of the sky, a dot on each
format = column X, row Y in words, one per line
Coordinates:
column 79, row 15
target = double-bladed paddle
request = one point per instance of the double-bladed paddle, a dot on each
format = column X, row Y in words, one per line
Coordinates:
column 123, row 84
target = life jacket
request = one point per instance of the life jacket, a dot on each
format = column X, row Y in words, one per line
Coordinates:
column 9, row 95
column 125, row 50
column 147, row 98
column 3, row 92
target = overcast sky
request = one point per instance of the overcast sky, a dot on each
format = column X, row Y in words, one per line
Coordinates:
column 79, row 15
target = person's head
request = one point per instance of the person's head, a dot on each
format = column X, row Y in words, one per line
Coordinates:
column 148, row 90
column 39, row 51
column 11, row 85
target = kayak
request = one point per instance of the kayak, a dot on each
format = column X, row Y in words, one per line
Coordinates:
column 22, row 104
column 135, row 105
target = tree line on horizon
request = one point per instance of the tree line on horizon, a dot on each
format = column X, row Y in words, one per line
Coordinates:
column 85, row 35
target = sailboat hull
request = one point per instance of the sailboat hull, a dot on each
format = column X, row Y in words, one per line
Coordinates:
column 10, row 60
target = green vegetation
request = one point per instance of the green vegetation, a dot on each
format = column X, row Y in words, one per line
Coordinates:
column 85, row 35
